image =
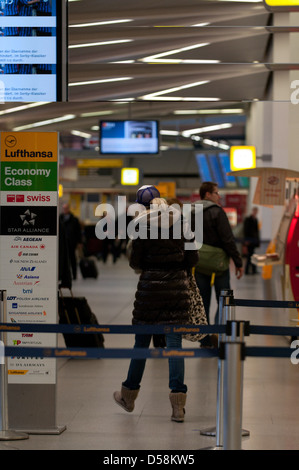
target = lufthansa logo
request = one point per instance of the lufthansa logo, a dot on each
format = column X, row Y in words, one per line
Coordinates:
column 10, row 141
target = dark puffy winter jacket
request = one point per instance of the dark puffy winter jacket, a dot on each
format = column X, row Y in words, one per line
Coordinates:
column 162, row 294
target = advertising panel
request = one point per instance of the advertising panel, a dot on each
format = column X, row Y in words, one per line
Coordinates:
column 28, row 246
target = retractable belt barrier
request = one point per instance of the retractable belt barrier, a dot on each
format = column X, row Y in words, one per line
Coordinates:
column 231, row 353
column 266, row 303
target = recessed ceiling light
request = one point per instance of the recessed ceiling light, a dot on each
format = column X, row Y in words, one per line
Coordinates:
column 94, row 82
column 23, row 107
column 166, row 132
column 208, row 111
column 199, row 25
column 45, row 123
column 157, row 95
column 153, row 58
column 98, row 23
column 81, row 134
column 200, row 130
column 178, row 98
column 101, row 43
column 96, row 113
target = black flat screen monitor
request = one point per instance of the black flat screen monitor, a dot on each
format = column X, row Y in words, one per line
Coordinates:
column 33, row 50
column 125, row 137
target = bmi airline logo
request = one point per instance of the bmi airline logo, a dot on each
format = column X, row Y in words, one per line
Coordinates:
column 28, row 217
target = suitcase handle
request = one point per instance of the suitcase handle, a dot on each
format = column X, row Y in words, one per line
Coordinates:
column 65, row 309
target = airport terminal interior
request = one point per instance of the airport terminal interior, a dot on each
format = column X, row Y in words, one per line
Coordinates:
column 94, row 421
column 159, row 94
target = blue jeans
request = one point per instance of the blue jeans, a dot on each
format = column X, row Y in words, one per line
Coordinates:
column 204, row 284
column 176, row 364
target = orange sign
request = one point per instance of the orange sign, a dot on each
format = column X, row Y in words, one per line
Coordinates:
column 29, row 146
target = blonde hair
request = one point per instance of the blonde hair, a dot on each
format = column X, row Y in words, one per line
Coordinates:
column 159, row 201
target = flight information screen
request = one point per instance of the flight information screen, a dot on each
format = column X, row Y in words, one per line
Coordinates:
column 30, row 50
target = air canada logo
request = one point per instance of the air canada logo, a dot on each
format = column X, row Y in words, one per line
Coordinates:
column 28, row 218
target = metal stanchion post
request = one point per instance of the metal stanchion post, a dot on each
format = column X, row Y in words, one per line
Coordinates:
column 232, row 396
column 5, row 433
column 226, row 312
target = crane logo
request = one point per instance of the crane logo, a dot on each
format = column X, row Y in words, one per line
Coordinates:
column 10, row 141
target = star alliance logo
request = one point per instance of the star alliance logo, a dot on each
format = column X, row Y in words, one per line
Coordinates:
column 28, row 218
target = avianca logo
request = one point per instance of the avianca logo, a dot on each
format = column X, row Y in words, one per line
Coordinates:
column 29, row 198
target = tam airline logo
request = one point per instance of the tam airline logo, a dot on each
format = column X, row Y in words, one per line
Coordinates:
column 19, row 198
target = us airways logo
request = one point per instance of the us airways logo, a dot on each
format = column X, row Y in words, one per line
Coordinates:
column 17, row 198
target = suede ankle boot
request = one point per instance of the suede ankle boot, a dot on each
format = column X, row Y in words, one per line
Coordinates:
column 178, row 401
column 126, row 398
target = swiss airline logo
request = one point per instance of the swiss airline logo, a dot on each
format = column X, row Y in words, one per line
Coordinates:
column 27, row 198
column 15, row 198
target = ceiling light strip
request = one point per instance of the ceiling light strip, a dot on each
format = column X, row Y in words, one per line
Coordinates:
column 99, row 23
column 95, row 82
column 200, row 130
column 152, row 58
column 45, row 123
column 23, row 107
column 101, row 43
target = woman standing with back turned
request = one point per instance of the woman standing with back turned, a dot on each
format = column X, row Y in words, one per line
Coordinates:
column 162, row 295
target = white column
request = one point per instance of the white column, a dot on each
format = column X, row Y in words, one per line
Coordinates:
column 273, row 125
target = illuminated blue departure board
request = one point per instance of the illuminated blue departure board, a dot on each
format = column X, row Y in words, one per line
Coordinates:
column 216, row 170
column 203, row 167
column 214, row 166
column 31, row 50
column 225, row 164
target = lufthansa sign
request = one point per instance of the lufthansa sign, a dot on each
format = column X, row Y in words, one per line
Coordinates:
column 29, row 146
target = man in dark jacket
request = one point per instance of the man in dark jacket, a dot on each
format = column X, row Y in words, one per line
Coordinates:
column 251, row 238
column 216, row 232
column 73, row 235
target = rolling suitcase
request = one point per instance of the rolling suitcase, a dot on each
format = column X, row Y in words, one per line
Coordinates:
column 76, row 311
column 88, row 268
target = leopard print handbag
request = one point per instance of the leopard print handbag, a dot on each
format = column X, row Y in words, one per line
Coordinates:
column 197, row 314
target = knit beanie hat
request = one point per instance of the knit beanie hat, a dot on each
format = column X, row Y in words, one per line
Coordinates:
column 146, row 194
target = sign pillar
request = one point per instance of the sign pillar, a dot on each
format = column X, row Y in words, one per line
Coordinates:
column 29, row 271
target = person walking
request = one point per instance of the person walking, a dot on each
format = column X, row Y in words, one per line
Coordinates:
column 162, row 295
column 217, row 233
column 73, row 235
column 251, row 238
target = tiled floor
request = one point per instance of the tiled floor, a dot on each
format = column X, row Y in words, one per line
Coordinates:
column 85, row 387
